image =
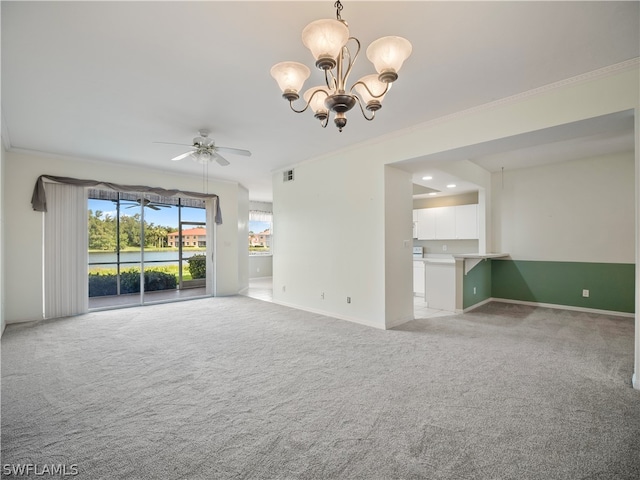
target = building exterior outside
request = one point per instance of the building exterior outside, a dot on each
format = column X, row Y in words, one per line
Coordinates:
column 192, row 237
column 262, row 239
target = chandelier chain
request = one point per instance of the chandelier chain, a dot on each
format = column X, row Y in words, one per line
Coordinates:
column 339, row 8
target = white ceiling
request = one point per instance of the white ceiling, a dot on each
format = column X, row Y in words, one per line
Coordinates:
column 104, row 80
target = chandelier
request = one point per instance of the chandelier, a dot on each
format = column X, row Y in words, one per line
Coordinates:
column 327, row 39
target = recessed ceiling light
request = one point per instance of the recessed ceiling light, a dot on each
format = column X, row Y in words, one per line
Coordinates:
column 429, row 177
column 451, row 185
column 433, row 193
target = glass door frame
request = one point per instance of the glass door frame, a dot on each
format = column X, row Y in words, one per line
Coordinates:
column 180, row 257
column 142, row 263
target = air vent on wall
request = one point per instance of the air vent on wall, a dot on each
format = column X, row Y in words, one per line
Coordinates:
column 287, row 176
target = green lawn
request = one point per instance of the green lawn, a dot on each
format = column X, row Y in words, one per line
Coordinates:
column 171, row 269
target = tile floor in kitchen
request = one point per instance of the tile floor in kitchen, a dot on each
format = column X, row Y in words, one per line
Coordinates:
column 262, row 289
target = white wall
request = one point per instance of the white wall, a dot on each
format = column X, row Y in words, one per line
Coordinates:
column 243, row 235
column 578, row 211
column 329, row 221
column 2, row 263
column 398, row 243
column 260, row 266
column 23, row 226
column 329, row 238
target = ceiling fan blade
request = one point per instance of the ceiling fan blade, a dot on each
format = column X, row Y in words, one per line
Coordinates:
column 180, row 157
column 235, row 151
column 153, row 207
column 171, row 143
column 223, row 162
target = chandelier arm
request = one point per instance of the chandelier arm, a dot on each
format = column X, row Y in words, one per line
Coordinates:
column 308, row 102
column 352, row 60
column 298, row 111
column 364, row 114
column 333, row 84
column 386, row 89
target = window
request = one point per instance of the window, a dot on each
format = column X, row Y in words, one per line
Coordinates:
column 260, row 232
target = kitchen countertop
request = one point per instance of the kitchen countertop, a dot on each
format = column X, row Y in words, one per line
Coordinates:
column 451, row 259
column 442, row 259
column 463, row 256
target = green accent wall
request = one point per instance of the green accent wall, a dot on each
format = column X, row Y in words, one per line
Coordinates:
column 479, row 277
column 611, row 285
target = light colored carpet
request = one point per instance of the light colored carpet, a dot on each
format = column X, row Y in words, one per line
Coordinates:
column 236, row 388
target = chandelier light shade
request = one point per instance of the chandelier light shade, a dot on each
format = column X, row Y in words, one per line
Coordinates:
column 372, row 91
column 388, row 54
column 290, row 77
column 315, row 98
column 327, row 40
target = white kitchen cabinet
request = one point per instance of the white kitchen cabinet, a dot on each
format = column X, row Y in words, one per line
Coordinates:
column 415, row 224
column 418, row 278
column 466, row 221
column 426, row 219
column 445, row 223
column 440, row 286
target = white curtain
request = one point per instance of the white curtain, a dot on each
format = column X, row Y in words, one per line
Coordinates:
column 66, row 289
column 211, row 205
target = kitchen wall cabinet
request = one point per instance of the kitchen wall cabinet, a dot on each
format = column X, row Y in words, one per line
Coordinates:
column 466, row 221
column 415, row 224
column 447, row 223
column 426, row 224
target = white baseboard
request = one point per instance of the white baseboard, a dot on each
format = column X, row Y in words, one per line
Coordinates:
column 472, row 307
column 357, row 320
column 561, row 307
column 635, row 381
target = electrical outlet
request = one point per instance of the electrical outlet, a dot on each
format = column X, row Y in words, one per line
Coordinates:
column 585, row 293
column 258, row 270
column 444, row 248
column 474, row 290
column 284, row 288
column 322, row 295
column 348, row 299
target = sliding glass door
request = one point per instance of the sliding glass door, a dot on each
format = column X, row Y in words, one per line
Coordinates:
column 145, row 248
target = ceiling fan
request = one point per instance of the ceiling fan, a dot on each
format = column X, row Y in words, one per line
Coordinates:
column 205, row 150
column 143, row 201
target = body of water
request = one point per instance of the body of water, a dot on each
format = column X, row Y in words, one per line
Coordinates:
column 155, row 258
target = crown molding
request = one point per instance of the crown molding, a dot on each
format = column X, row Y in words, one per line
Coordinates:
column 604, row 72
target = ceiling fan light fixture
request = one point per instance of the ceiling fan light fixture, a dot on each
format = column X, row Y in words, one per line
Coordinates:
column 327, row 40
column 205, row 150
column 202, row 156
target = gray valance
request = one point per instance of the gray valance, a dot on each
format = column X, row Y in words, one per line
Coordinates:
column 39, row 198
